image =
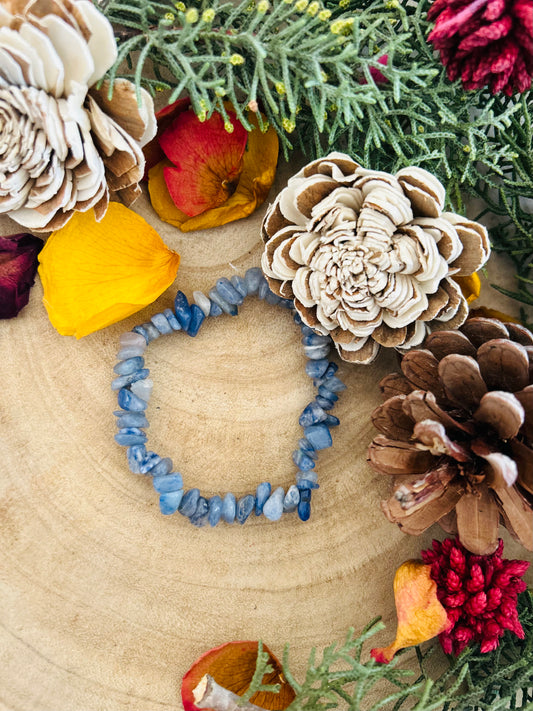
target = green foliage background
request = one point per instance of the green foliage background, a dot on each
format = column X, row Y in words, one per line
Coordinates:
column 308, row 67
column 341, row 678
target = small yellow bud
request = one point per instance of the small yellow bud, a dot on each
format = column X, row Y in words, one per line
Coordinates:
column 169, row 17
column 343, row 4
column 202, row 116
column 324, row 15
column 191, row 16
column 333, row 107
column 208, row 15
column 288, row 125
column 298, row 109
column 392, row 4
column 280, row 88
column 421, row 129
column 301, row 5
column 323, row 77
column 220, row 91
column 263, row 6
column 467, row 149
column 236, row 59
column 313, row 8
column 180, row 6
column 229, row 126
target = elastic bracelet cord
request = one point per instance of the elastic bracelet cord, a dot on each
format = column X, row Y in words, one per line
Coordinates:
column 134, row 391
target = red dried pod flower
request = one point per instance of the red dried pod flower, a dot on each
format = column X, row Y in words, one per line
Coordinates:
column 485, row 42
column 478, row 592
column 18, row 265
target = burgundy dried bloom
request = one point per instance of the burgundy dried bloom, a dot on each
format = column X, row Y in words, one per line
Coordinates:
column 479, row 593
column 485, row 42
column 18, row 264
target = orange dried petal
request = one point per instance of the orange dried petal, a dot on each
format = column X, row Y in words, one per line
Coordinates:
column 232, row 665
column 470, row 286
column 258, row 171
column 420, row 614
column 97, row 273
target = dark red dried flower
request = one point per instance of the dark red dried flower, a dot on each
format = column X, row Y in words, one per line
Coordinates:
column 485, row 42
column 478, row 592
column 18, row 264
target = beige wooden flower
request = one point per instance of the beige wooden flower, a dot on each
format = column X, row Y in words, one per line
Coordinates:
column 369, row 257
column 64, row 146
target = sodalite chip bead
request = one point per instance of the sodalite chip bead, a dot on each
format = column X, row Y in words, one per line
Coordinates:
column 134, row 389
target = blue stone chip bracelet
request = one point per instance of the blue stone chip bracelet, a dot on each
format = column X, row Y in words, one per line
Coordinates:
column 134, row 390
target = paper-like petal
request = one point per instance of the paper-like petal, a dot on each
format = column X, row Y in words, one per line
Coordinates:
column 97, row 273
column 420, row 614
column 232, row 665
column 258, row 171
column 18, row 266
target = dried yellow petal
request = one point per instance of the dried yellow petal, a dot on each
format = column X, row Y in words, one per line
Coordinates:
column 420, row 614
column 470, row 286
column 97, row 273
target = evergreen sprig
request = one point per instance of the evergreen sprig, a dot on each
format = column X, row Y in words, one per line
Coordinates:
column 309, row 67
column 340, row 678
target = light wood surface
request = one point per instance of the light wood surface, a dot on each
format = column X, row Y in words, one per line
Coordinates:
column 105, row 603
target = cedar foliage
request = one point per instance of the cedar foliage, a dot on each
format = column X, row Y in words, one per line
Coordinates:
column 340, row 678
column 308, row 66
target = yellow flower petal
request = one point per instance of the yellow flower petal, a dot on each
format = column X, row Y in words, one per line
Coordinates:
column 470, row 286
column 420, row 614
column 97, row 273
column 259, row 168
column 493, row 313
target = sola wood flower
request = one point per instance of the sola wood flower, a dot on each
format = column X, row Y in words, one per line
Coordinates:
column 420, row 614
column 97, row 273
column 209, row 176
column 478, row 592
column 457, row 434
column 18, row 265
column 232, row 667
column 370, row 258
column 65, row 145
column 485, row 42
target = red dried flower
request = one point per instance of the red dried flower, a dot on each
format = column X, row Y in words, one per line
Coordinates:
column 18, row 265
column 479, row 593
column 485, row 42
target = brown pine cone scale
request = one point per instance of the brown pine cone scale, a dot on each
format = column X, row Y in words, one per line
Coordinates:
column 456, row 435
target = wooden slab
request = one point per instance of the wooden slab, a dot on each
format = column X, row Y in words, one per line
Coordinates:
column 105, row 603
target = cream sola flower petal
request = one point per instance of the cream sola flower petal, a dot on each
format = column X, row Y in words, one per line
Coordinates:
column 67, row 146
column 370, row 257
column 97, row 273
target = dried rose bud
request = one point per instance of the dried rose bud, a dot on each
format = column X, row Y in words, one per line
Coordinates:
column 18, row 264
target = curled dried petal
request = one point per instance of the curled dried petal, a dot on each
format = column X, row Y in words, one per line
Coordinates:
column 420, row 614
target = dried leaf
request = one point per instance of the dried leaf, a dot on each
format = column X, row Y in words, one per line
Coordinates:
column 232, row 665
column 97, row 273
column 420, row 614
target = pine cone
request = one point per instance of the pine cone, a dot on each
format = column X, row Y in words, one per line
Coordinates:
column 457, row 435
column 485, row 43
column 369, row 258
column 65, row 145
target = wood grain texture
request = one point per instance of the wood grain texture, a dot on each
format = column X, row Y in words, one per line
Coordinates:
column 105, row 603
